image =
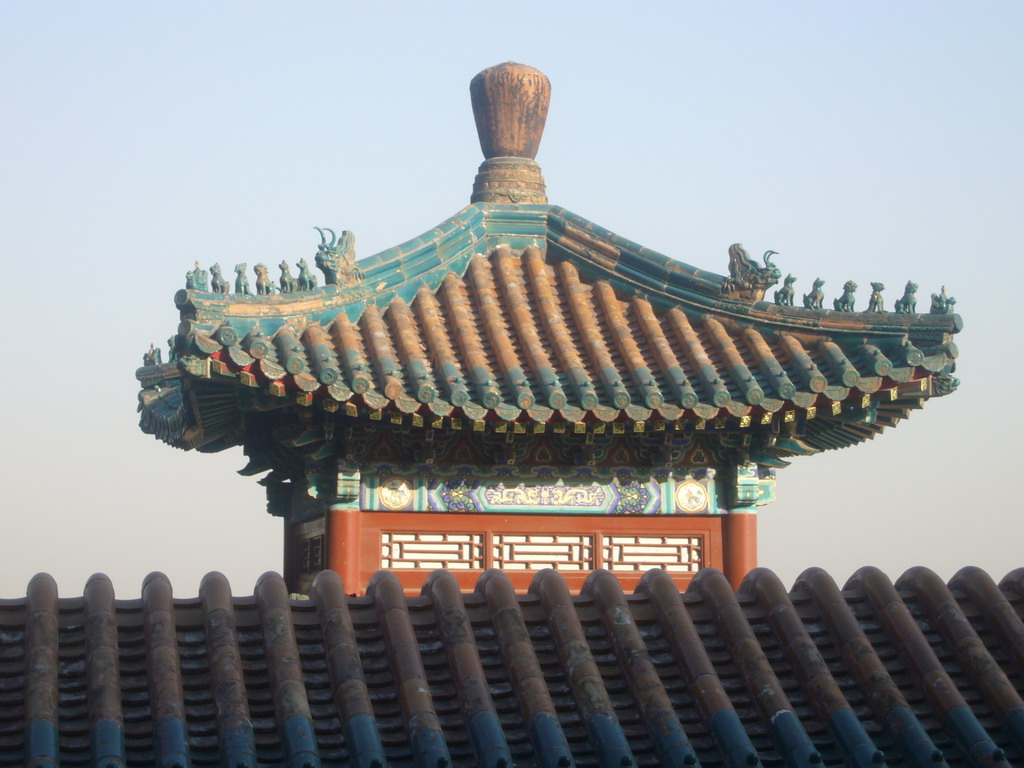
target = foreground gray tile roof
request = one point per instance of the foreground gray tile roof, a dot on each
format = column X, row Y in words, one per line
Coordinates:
column 919, row 673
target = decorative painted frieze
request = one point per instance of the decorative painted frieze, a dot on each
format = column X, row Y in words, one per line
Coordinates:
column 545, row 491
column 527, row 490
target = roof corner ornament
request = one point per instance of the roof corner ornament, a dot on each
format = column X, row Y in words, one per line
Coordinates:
column 747, row 281
column 944, row 384
column 197, row 279
column 152, row 356
column 337, row 259
column 942, row 304
column 510, row 106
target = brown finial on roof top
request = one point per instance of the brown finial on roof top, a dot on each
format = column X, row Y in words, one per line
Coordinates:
column 510, row 104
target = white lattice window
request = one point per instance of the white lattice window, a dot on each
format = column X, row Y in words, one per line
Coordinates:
column 679, row 554
column 531, row 552
column 454, row 551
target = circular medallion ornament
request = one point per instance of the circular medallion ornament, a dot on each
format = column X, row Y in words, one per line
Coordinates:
column 395, row 493
column 691, row 496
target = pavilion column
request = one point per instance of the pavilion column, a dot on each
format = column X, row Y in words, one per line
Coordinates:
column 344, row 529
column 339, row 493
column 739, row 544
column 750, row 488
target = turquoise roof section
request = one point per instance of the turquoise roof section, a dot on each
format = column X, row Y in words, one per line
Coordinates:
column 598, row 254
column 531, row 313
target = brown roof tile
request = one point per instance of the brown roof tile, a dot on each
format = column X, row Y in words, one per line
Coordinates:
column 519, row 335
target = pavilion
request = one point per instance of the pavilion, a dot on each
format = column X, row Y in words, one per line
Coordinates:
column 501, row 452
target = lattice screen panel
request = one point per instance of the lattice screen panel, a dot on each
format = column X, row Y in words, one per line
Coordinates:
column 531, row 552
column 311, row 554
column 679, row 554
column 411, row 545
column 454, row 551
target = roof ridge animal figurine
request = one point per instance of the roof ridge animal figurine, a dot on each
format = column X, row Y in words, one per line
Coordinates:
column 746, row 279
column 264, row 285
column 217, row 281
column 784, row 296
column 241, row 281
column 845, row 302
column 288, row 283
column 875, row 302
column 816, row 298
column 907, row 305
column 306, row 279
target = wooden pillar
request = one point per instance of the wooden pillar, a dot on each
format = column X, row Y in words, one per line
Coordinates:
column 739, row 545
column 291, row 566
column 344, row 545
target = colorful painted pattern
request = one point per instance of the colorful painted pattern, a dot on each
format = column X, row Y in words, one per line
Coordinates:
column 535, row 490
column 456, row 496
column 633, row 499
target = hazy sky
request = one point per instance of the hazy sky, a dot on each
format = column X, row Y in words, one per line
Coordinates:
column 864, row 141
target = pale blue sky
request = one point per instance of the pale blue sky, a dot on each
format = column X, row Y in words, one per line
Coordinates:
column 864, row 141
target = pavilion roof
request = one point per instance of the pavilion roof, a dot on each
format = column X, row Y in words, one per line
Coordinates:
column 570, row 323
column 916, row 673
column 517, row 311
